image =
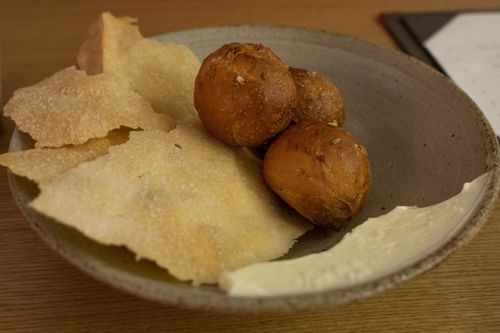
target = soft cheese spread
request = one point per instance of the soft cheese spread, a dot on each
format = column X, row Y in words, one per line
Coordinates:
column 375, row 248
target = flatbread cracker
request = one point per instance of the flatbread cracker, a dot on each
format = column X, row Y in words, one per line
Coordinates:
column 43, row 164
column 163, row 73
column 71, row 107
column 182, row 199
column 108, row 37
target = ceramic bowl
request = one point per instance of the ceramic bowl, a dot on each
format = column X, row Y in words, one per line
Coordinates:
column 424, row 137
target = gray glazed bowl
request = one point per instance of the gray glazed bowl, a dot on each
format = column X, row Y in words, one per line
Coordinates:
column 424, row 137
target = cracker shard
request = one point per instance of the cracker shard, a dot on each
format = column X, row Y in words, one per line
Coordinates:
column 163, row 73
column 71, row 107
column 196, row 210
column 43, row 164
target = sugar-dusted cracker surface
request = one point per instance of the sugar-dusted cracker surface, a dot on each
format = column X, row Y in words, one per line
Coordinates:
column 193, row 205
column 42, row 164
column 71, row 107
column 163, row 73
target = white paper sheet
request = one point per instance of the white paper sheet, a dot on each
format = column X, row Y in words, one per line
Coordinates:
column 468, row 49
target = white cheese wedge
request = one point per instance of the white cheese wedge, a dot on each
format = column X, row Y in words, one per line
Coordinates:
column 377, row 247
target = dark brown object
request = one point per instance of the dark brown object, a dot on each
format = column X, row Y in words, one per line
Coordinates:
column 319, row 99
column 319, row 170
column 244, row 94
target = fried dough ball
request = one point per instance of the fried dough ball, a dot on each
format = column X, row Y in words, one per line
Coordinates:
column 321, row 171
column 319, row 99
column 244, row 94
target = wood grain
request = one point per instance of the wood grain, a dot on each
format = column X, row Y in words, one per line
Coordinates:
column 40, row 292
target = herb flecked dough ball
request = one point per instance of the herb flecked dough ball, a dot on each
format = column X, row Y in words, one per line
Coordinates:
column 244, row 94
column 321, row 171
column 318, row 98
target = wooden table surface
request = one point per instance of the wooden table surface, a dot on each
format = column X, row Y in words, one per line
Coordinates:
column 40, row 292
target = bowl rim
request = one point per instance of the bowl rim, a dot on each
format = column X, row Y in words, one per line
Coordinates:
column 173, row 295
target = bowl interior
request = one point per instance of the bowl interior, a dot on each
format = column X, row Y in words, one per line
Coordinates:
column 423, row 136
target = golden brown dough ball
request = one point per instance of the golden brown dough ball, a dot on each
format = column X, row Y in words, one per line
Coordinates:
column 319, row 99
column 321, row 171
column 244, row 94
